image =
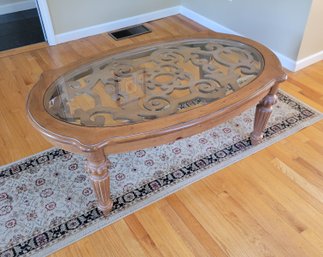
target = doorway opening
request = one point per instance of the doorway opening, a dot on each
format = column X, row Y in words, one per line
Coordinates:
column 20, row 24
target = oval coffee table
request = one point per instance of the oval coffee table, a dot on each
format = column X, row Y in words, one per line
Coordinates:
column 150, row 94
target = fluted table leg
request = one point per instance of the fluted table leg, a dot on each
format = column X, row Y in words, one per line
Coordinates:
column 98, row 168
column 263, row 112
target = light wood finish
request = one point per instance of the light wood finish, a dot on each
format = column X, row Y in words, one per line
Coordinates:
column 23, row 49
column 86, row 129
column 269, row 204
column 118, row 138
column 262, row 115
column 98, row 168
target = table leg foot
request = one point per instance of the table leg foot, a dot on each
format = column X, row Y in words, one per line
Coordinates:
column 98, row 168
column 263, row 112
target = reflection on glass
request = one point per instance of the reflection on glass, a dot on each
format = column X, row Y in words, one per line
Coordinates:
column 152, row 82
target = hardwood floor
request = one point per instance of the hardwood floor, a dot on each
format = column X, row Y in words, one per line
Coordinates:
column 269, row 204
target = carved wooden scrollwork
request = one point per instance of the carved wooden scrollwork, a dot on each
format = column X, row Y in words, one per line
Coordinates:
column 152, row 82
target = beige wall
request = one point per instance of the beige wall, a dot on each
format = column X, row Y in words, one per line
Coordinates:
column 76, row 14
column 313, row 37
column 279, row 24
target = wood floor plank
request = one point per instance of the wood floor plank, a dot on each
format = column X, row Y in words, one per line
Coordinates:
column 195, row 227
column 229, row 231
column 126, row 235
column 287, row 193
column 301, row 181
column 267, row 212
column 190, row 239
column 141, row 235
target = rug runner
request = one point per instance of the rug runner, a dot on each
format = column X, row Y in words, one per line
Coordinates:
column 46, row 200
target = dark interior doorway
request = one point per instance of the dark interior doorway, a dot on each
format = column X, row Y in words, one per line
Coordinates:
column 20, row 29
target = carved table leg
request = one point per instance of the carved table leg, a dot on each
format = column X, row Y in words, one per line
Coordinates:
column 98, row 168
column 263, row 112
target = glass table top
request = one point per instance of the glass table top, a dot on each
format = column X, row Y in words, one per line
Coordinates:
column 152, row 82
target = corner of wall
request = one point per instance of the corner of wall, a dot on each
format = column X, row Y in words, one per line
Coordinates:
column 309, row 60
column 287, row 62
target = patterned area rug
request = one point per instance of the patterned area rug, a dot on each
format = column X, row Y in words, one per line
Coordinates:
column 46, row 201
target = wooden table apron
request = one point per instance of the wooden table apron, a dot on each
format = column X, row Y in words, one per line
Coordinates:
column 96, row 142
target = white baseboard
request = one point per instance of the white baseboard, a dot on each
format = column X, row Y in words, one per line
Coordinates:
column 206, row 22
column 109, row 26
column 307, row 61
column 286, row 62
column 17, row 7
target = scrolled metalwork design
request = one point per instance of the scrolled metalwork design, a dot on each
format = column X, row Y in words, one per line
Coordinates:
column 152, row 82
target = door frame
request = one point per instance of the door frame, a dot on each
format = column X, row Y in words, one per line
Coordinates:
column 46, row 21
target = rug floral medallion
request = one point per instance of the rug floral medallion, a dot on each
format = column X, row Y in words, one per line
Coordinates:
column 46, row 200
